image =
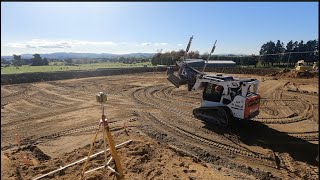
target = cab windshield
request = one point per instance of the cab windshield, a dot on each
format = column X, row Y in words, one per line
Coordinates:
column 212, row 92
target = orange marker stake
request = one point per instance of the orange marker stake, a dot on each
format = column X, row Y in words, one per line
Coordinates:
column 18, row 140
column 25, row 160
column 125, row 128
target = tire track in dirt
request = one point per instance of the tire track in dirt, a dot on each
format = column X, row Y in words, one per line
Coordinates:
column 292, row 170
column 155, row 94
column 163, row 94
column 50, row 93
column 240, row 151
column 56, row 112
column 288, row 115
column 213, row 143
column 266, row 111
column 190, row 100
column 41, row 136
column 186, row 121
column 13, row 97
column 79, row 93
column 305, row 115
column 50, row 103
column 287, row 108
column 267, row 88
column 25, row 121
column 5, row 93
column 10, row 93
column 308, row 136
column 302, row 135
column 286, row 111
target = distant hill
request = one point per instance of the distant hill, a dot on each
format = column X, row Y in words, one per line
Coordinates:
column 64, row 55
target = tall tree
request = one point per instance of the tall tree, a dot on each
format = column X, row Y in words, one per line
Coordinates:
column 45, row 61
column 295, row 56
column 204, row 56
column 268, row 48
column 279, row 48
column 289, row 47
column 36, row 60
column 193, row 54
column 312, row 45
column 16, row 60
column 68, row 61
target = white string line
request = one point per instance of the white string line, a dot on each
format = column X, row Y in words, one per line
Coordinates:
column 272, row 54
column 288, row 53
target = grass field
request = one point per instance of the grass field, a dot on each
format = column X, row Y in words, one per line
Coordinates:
column 60, row 67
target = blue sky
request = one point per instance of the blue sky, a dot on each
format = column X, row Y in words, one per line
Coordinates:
column 128, row 27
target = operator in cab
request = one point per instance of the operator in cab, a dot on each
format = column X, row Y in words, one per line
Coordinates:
column 213, row 93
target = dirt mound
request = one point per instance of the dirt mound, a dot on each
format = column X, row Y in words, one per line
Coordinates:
column 39, row 154
column 292, row 87
column 295, row 74
column 238, row 70
column 306, row 74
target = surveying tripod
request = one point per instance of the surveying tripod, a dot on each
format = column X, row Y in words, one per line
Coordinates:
column 102, row 98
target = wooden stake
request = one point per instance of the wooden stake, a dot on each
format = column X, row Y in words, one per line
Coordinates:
column 125, row 128
column 18, row 140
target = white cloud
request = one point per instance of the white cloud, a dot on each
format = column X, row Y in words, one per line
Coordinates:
column 145, row 44
column 108, row 43
column 16, row 45
column 51, row 44
column 160, row 44
column 179, row 44
column 152, row 44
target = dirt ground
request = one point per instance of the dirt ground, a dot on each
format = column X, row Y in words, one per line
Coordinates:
column 56, row 121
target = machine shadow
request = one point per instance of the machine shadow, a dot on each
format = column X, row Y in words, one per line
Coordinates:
column 259, row 134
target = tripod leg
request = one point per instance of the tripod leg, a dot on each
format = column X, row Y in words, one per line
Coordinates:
column 116, row 174
column 90, row 152
column 105, row 146
column 113, row 152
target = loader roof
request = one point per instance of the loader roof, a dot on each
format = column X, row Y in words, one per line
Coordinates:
column 224, row 78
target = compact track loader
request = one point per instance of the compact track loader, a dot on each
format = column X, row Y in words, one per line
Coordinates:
column 223, row 98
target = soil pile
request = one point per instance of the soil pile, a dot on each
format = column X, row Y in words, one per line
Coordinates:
column 296, row 74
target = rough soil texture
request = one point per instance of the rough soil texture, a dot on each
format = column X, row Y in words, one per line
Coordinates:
column 291, row 73
column 51, row 76
column 56, row 122
column 59, row 75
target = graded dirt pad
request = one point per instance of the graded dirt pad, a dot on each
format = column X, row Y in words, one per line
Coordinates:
column 60, row 75
column 56, row 121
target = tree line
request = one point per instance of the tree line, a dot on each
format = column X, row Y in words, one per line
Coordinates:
column 169, row 58
column 289, row 53
column 37, row 60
